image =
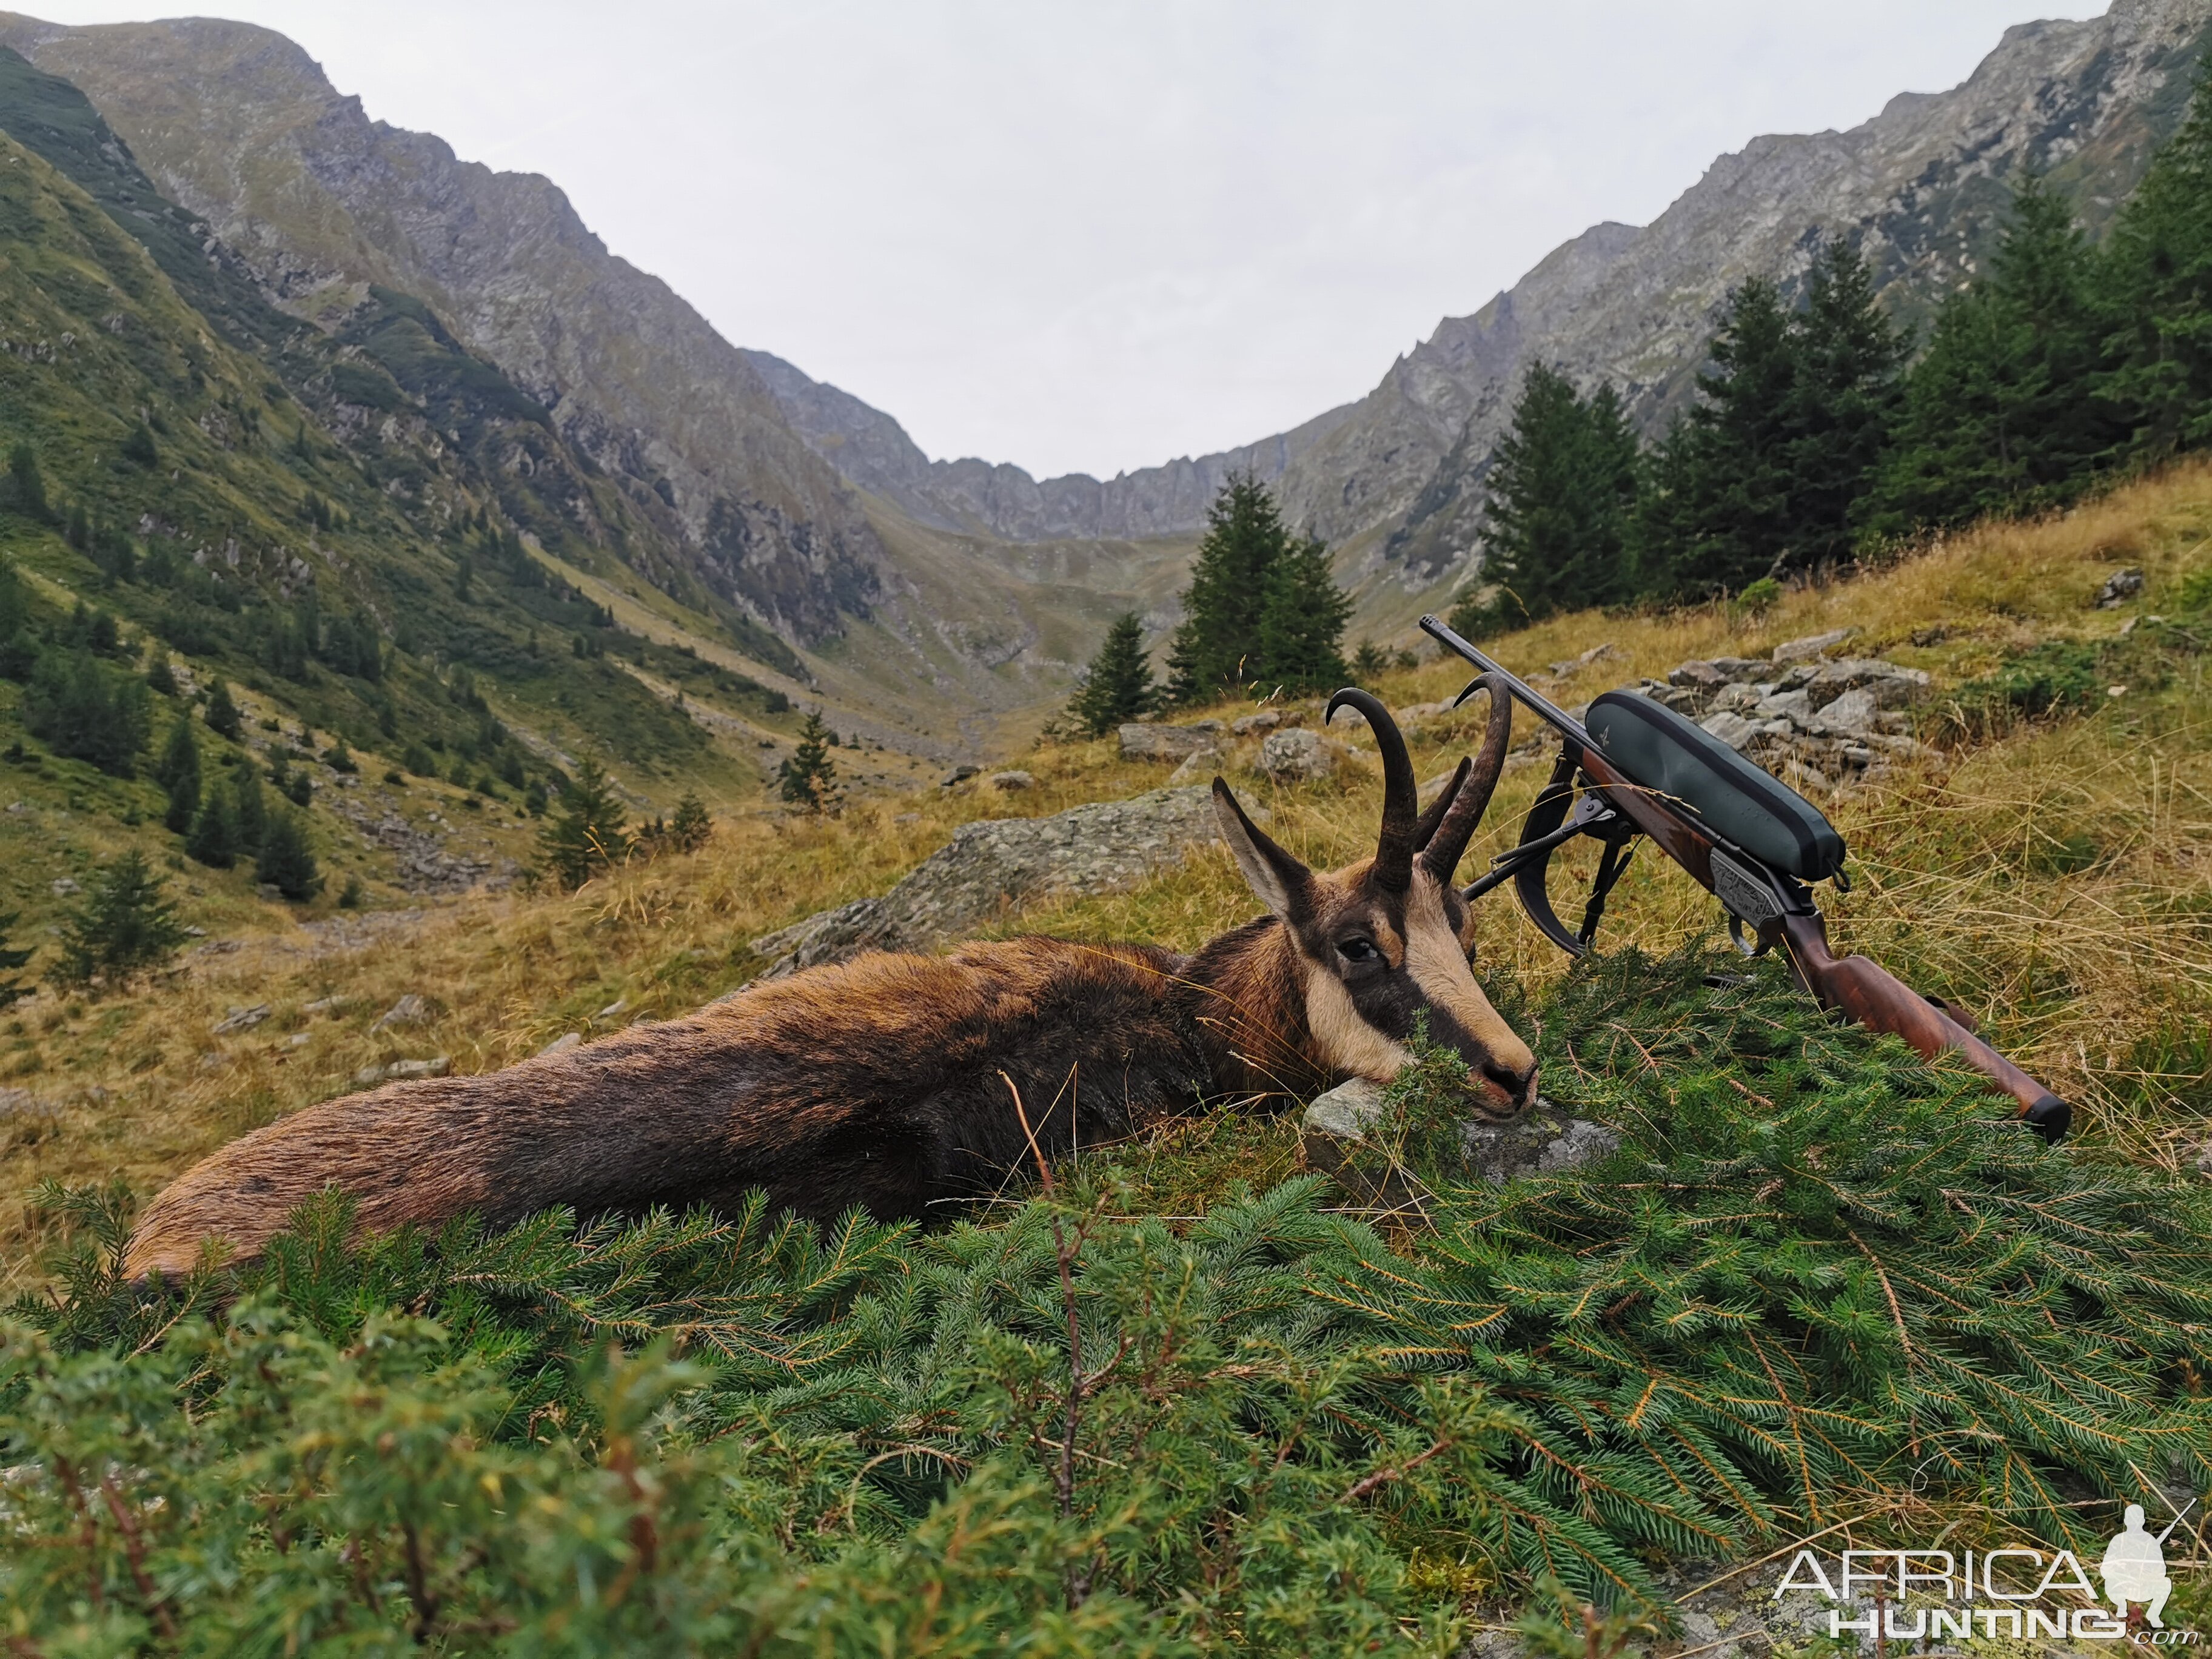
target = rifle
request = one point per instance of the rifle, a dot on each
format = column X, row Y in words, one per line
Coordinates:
column 1637, row 767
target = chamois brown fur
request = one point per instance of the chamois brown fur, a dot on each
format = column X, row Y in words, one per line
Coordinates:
column 878, row 1082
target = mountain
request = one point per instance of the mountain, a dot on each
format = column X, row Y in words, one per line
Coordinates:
column 938, row 600
column 1394, row 480
column 239, row 127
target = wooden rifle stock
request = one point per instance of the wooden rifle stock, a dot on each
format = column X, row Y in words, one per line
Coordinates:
column 1863, row 990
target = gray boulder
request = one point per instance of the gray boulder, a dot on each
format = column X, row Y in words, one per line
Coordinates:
column 1344, row 1135
column 1852, row 714
column 997, row 864
column 1011, row 783
column 1145, row 741
column 1256, row 725
column 1296, row 756
column 1812, row 645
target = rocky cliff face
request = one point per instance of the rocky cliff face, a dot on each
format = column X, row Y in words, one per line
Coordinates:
column 240, row 126
column 1922, row 185
column 1396, row 478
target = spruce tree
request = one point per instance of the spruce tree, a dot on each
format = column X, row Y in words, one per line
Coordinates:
column 1845, row 398
column 1119, row 685
column 250, row 808
column 214, row 838
column 221, row 716
column 2159, row 278
column 80, row 707
column 688, row 829
column 1563, row 483
column 1302, row 622
column 124, row 923
column 586, row 834
column 809, row 778
column 286, row 861
column 1718, row 515
column 178, row 772
column 1214, row 648
column 27, row 483
column 2003, row 411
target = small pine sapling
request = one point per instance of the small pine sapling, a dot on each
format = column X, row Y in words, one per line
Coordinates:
column 809, row 778
column 124, row 924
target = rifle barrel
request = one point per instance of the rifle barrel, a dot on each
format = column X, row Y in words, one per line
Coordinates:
column 1546, row 709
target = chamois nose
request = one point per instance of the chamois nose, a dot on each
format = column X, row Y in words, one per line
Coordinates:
column 1519, row 1086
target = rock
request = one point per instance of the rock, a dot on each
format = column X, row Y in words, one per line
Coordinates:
column 1894, row 686
column 1700, row 676
column 240, row 1020
column 1852, row 713
column 404, row 1071
column 299, row 1039
column 1739, row 698
column 1574, row 665
column 1199, row 765
column 1145, row 741
column 1734, row 669
column 561, row 1044
column 322, row 1005
column 1256, row 725
column 2119, row 588
column 1812, row 645
column 957, row 774
column 1343, row 1134
column 1414, row 716
column 1298, row 755
column 1733, row 730
column 612, row 1008
column 64, row 887
column 1011, row 783
column 1784, row 706
column 409, row 1009
column 1546, row 1141
column 2204, row 1152
column 999, row 864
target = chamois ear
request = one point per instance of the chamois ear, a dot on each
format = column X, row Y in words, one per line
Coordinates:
column 1282, row 884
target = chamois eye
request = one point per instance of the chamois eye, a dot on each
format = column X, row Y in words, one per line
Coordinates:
column 1357, row 950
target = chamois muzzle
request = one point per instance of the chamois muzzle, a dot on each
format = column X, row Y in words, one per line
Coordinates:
column 1394, row 847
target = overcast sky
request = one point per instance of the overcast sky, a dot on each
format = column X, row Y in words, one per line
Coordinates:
column 1091, row 237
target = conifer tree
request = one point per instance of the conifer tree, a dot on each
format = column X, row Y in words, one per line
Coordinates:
column 2160, row 276
column 1562, row 485
column 809, row 778
column 1215, row 646
column 250, row 806
column 690, row 828
column 12, row 989
column 124, row 923
column 286, row 861
column 1845, row 397
column 2002, row 413
column 80, row 707
column 1718, row 514
column 140, row 449
column 221, row 716
column 214, row 839
column 178, row 772
column 1370, row 663
column 1119, row 686
column 586, row 834
column 27, row 483
column 1301, row 621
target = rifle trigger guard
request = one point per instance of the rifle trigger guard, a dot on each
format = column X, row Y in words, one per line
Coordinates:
column 1743, row 945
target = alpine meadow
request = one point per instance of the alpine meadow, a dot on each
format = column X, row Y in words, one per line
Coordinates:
column 431, row 653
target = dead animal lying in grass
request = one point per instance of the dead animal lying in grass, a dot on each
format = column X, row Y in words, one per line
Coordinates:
column 878, row 1082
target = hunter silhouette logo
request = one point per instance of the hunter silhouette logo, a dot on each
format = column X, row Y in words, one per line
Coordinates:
column 1913, row 1594
column 2133, row 1567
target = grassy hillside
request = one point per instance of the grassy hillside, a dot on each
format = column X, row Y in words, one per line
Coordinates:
column 1311, row 1435
column 2050, row 873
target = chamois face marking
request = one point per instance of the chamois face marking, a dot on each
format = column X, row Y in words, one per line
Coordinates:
column 1385, row 944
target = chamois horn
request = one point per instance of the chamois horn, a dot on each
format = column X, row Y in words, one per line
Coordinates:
column 1394, row 847
column 1442, row 855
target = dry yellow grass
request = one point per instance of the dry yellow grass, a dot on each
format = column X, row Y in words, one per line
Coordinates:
column 2094, row 972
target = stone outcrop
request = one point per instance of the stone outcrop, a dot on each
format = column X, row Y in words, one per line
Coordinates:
column 1811, row 721
column 1145, row 741
column 996, row 865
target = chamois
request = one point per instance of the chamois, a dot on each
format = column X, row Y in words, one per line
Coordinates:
column 878, row 1082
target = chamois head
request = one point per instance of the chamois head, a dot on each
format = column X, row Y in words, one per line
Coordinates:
column 1384, row 941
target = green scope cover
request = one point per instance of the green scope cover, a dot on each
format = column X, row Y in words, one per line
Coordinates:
column 1656, row 747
